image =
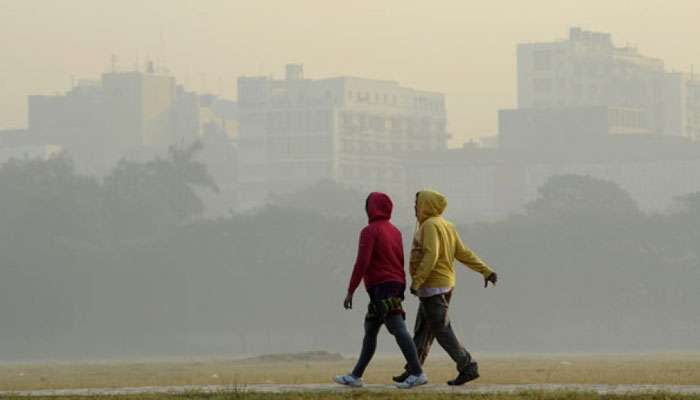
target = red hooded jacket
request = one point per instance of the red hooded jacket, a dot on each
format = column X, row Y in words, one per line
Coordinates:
column 380, row 253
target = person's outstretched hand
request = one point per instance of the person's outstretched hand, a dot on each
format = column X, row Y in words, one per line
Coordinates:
column 493, row 278
column 347, row 303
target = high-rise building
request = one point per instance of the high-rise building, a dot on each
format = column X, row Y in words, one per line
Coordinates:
column 140, row 106
column 73, row 118
column 588, row 70
column 560, row 127
column 77, row 121
column 98, row 122
column 585, row 107
column 126, row 114
column 681, row 104
column 296, row 131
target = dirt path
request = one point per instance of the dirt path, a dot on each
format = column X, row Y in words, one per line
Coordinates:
column 274, row 388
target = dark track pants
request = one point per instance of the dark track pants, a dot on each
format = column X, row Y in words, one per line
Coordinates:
column 396, row 325
column 432, row 322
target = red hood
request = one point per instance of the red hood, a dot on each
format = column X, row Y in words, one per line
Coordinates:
column 379, row 206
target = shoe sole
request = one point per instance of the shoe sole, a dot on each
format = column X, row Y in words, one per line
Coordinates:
column 412, row 386
column 347, row 384
column 467, row 381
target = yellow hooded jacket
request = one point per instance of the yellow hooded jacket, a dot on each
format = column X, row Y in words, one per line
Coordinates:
column 436, row 244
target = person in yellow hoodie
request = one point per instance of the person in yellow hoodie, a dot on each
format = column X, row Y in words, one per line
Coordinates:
column 436, row 244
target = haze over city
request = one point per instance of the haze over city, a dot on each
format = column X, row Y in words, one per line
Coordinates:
column 463, row 49
column 217, row 180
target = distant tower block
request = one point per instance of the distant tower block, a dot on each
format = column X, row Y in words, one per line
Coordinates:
column 296, row 131
column 295, row 72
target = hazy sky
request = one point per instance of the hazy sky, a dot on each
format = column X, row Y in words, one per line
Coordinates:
column 465, row 49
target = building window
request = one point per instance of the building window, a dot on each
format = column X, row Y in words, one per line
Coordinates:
column 542, row 85
column 542, row 60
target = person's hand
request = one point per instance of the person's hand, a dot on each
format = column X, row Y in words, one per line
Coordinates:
column 347, row 303
column 493, row 278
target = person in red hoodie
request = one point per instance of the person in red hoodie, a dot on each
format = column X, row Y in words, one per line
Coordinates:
column 380, row 264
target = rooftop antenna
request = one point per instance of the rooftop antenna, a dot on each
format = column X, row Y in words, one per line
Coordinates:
column 113, row 62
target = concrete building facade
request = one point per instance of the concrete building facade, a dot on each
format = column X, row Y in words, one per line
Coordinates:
column 585, row 107
column 140, row 107
column 567, row 126
column 98, row 122
column 681, row 104
column 588, row 70
column 130, row 114
column 296, row 131
column 490, row 184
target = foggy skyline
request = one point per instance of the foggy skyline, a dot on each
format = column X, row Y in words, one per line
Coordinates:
column 463, row 50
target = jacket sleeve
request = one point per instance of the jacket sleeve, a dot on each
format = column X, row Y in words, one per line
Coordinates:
column 430, row 247
column 364, row 256
column 468, row 258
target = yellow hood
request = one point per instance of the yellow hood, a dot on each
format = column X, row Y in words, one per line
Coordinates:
column 437, row 244
column 430, row 204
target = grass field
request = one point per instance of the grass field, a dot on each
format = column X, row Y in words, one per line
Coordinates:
column 394, row 395
column 671, row 369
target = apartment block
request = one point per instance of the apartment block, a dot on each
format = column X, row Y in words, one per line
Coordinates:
column 356, row 131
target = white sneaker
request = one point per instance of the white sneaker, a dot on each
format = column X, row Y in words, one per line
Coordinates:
column 413, row 381
column 348, row 380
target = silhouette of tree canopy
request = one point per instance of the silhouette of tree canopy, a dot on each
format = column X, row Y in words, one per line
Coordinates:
column 47, row 199
column 327, row 198
column 125, row 267
column 151, row 197
column 578, row 196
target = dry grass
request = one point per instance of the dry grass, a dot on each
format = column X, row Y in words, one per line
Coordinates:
column 389, row 395
column 674, row 369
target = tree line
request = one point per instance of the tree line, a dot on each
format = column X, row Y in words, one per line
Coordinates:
column 125, row 266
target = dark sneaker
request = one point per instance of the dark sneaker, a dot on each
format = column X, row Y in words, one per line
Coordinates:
column 469, row 374
column 401, row 378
